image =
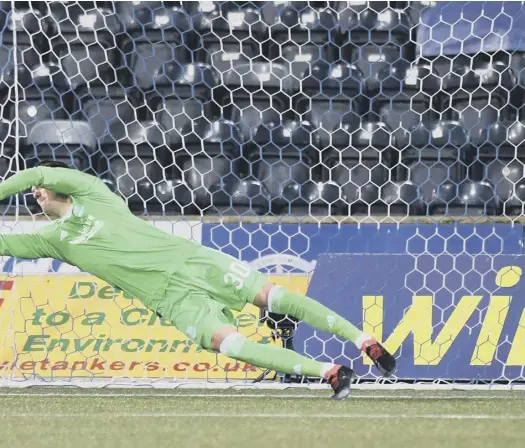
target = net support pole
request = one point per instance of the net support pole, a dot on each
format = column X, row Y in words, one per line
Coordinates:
column 16, row 108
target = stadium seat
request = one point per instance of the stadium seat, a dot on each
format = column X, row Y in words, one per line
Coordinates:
column 136, row 15
column 227, row 29
column 376, row 40
column 435, row 158
column 226, row 57
column 281, row 156
column 7, row 69
column 154, row 35
column 334, row 99
column 400, row 199
column 83, row 18
column 153, row 21
column 250, row 113
column 47, row 79
column 404, row 110
column 391, row 199
column 147, row 60
column 190, row 81
column 66, row 140
column 432, row 155
column 24, row 27
column 88, row 65
column 313, row 198
column 515, row 206
column 299, row 22
column 83, row 43
column 41, row 94
column 182, row 94
column 210, row 162
column 24, row 59
column 302, row 35
column 253, row 76
column 359, row 161
column 477, row 91
column 500, row 160
column 231, row 35
column 218, row 20
column 516, row 62
column 422, row 77
column 374, row 23
column 246, row 197
column 332, row 79
column 304, row 61
column 106, row 110
column 466, row 198
column 415, row 9
column 176, row 116
column 346, row 10
column 139, row 166
column 32, row 110
column 488, row 72
column 382, row 67
column 405, row 95
column 477, row 112
column 329, row 113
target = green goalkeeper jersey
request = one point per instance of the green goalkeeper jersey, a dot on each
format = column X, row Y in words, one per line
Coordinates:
column 99, row 235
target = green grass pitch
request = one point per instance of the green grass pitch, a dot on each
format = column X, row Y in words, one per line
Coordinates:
column 58, row 417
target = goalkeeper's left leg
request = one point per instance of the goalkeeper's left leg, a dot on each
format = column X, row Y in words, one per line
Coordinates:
column 282, row 301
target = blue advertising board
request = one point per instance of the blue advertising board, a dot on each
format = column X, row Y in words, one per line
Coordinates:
column 443, row 276
column 444, row 316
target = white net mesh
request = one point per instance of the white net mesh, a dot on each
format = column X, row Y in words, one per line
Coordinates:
column 389, row 133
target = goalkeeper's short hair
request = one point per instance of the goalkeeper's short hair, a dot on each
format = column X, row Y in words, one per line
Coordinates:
column 53, row 164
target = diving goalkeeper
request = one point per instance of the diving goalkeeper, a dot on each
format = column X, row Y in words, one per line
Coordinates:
column 193, row 287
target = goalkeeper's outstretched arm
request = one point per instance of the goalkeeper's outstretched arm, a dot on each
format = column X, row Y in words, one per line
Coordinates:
column 27, row 245
column 60, row 180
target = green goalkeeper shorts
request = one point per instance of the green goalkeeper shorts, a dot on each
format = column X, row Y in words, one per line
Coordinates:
column 199, row 298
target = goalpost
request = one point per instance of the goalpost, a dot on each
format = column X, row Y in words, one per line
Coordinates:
column 347, row 149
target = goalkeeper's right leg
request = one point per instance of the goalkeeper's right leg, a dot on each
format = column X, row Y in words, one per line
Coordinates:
column 230, row 342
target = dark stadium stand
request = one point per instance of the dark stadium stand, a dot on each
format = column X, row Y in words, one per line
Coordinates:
column 328, row 108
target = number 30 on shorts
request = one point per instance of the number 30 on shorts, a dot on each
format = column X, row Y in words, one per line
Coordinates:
column 238, row 273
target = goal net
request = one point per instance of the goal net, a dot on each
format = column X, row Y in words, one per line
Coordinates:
column 366, row 153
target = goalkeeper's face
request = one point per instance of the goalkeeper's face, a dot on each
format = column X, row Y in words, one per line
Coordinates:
column 52, row 204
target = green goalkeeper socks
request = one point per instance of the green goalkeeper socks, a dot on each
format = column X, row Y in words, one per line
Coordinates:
column 270, row 357
column 282, row 301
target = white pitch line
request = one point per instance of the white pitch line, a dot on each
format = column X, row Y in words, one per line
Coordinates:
column 294, row 396
column 263, row 415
